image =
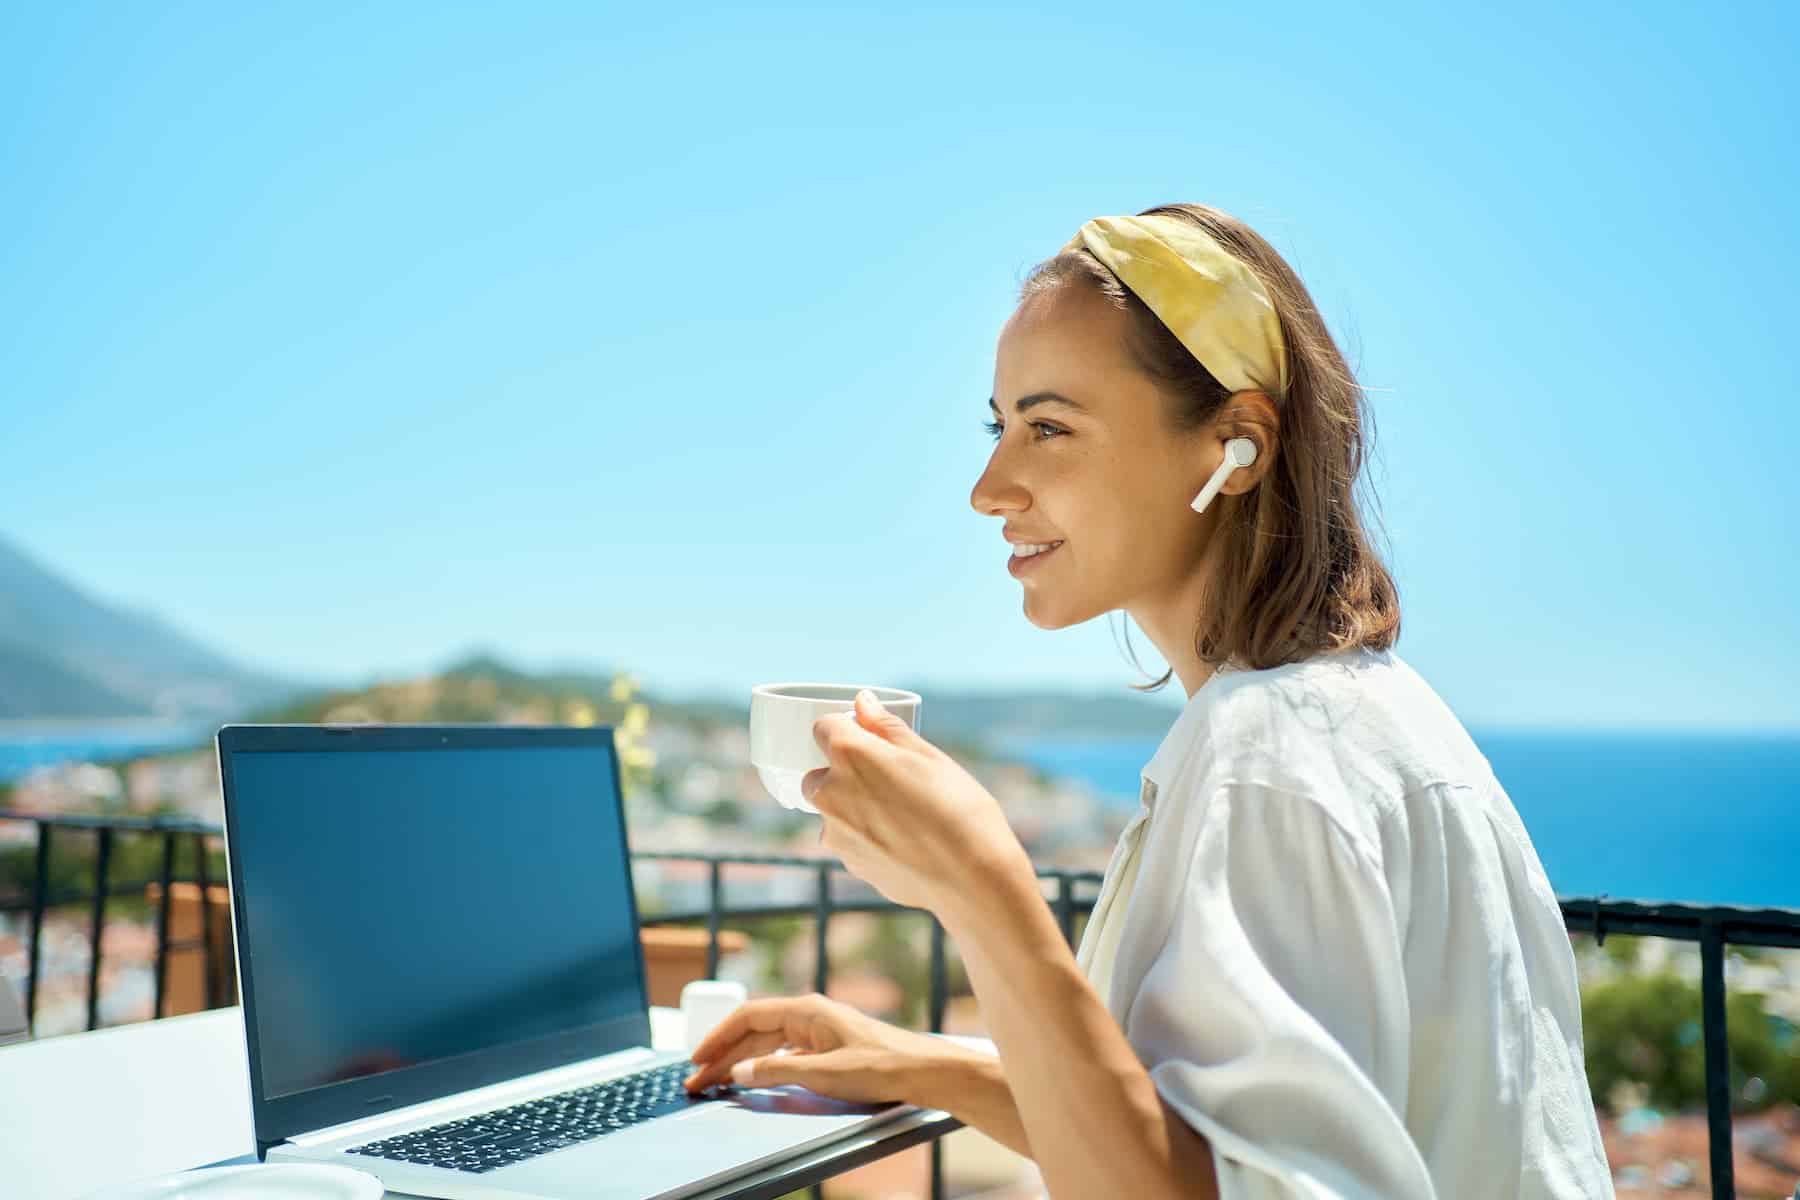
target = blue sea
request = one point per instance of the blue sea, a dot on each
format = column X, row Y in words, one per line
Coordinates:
column 1700, row 818
column 26, row 745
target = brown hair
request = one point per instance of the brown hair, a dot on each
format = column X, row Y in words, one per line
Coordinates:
column 1296, row 575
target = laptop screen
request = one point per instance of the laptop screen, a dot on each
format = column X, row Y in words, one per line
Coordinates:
column 406, row 906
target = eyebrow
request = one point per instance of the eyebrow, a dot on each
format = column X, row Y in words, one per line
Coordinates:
column 1026, row 402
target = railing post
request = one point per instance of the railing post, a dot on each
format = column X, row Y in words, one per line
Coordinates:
column 1718, row 1058
column 822, row 915
column 1065, row 905
column 162, row 919
column 715, row 895
column 97, row 924
column 940, row 1001
column 206, row 929
column 940, row 978
column 40, row 898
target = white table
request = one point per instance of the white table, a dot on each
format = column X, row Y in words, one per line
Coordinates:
column 92, row 1110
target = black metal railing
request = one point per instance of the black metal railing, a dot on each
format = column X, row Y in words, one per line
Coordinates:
column 43, row 898
column 1713, row 928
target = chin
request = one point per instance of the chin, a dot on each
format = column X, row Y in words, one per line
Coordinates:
column 1047, row 616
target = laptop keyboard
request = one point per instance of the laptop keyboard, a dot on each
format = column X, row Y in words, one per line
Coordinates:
column 489, row 1140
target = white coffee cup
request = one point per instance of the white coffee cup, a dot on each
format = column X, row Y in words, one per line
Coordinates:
column 782, row 747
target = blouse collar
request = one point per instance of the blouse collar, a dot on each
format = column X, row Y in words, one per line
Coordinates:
column 1160, row 770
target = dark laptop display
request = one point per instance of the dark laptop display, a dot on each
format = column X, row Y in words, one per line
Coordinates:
column 426, row 908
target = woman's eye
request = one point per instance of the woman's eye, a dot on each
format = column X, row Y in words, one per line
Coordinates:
column 1050, row 431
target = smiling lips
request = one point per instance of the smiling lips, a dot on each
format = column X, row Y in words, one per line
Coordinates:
column 1027, row 555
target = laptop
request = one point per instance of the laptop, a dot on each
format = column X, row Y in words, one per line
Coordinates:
column 441, row 977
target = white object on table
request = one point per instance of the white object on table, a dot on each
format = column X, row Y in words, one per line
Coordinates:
column 86, row 1111
column 706, row 1002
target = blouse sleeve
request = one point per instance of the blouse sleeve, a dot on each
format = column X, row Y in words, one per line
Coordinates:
column 1274, row 1017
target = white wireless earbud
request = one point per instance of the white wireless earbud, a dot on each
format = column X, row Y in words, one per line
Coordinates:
column 1239, row 452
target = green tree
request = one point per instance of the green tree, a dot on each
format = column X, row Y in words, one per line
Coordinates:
column 1646, row 1029
column 1623, row 949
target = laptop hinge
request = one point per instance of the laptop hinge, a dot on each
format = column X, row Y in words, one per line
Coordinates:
column 496, row 1095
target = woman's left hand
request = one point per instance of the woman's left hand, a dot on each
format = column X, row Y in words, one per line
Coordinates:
column 904, row 816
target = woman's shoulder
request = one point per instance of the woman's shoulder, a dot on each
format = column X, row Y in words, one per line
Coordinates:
column 1358, row 730
column 1368, row 700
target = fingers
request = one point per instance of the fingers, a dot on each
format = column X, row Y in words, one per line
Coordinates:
column 812, row 787
column 831, row 729
column 776, row 1069
column 717, row 1068
column 843, row 1074
column 754, row 1016
column 841, row 734
column 785, row 1019
column 889, row 724
column 851, row 749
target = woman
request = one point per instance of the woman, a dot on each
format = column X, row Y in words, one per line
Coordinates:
column 1325, row 959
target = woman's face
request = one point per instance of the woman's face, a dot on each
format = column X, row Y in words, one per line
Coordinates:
column 1107, row 479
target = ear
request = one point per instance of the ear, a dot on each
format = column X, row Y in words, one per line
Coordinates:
column 1250, row 415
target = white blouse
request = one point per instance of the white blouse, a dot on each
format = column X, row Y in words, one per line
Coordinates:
column 1329, row 939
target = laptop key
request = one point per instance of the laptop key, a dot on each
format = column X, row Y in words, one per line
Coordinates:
column 487, row 1141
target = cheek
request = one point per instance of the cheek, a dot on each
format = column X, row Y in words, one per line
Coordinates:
column 1139, row 537
column 1107, row 548
column 1123, row 530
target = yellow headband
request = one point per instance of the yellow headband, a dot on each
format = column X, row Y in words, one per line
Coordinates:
column 1213, row 303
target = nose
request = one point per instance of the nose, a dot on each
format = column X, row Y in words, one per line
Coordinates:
column 995, row 493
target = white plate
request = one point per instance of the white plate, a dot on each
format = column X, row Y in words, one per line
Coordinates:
column 254, row 1181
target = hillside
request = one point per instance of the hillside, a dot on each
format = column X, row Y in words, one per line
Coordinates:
column 65, row 653
column 483, row 687
column 32, row 685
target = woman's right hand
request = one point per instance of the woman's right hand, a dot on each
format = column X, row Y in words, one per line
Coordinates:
column 831, row 1048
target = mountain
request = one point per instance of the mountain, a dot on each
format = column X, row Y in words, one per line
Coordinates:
column 34, row 685
column 64, row 653
column 483, row 686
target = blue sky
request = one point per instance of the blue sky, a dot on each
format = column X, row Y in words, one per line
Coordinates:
column 661, row 338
